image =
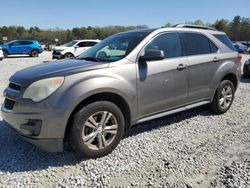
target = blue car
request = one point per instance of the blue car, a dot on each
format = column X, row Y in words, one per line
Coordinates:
column 30, row 47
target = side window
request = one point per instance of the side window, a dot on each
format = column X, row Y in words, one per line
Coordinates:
column 91, row 43
column 26, row 43
column 15, row 43
column 226, row 41
column 213, row 48
column 169, row 43
column 82, row 44
column 197, row 44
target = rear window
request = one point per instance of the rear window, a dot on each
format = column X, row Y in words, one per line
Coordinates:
column 198, row 44
column 225, row 40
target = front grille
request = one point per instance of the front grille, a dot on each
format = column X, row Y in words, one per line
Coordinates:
column 14, row 86
column 56, row 52
column 9, row 104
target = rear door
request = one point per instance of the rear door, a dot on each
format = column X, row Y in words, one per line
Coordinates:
column 26, row 46
column 203, row 62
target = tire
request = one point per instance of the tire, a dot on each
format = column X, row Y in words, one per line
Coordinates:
column 68, row 55
column 223, row 98
column 34, row 53
column 83, row 126
column 5, row 54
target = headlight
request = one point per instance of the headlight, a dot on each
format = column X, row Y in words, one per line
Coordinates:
column 41, row 89
column 58, row 50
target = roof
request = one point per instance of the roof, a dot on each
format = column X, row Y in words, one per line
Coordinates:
column 179, row 27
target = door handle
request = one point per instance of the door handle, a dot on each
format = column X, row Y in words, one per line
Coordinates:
column 181, row 67
column 216, row 59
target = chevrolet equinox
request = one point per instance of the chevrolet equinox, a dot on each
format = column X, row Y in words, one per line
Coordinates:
column 126, row 79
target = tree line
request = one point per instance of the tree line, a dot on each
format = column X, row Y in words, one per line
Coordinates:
column 237, row 29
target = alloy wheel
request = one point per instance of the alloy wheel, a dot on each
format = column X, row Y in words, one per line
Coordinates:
column 100, row 130
column 226, row 97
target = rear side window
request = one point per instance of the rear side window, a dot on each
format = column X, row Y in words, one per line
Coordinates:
column 225, row 40
column 198, row 44
column 169, row 43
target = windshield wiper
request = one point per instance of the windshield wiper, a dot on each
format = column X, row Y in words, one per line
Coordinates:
column 88, row 59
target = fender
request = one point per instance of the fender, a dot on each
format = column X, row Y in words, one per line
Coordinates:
column 80, row 89
column 227, row 67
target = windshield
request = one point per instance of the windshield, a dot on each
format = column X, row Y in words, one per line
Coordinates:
column 70, row 44
column 114, row 48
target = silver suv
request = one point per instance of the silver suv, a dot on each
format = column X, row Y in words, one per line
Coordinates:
column 126, row 79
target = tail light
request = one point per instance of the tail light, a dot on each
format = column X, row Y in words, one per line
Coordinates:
column 239, row 57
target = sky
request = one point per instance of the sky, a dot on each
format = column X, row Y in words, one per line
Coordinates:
column 67, row 14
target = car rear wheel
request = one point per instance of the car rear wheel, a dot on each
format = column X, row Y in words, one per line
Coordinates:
column 5, row 54
column 68, row 55
column 223, row 98
column 97, row 129
column 34, row 53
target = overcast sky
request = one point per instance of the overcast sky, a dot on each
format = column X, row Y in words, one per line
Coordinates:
column 67, row 14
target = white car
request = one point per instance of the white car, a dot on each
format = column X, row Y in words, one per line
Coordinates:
column 73, row 48
column 1, row 54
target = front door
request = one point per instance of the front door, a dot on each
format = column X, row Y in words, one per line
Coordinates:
column 81, row 47
column 163, row 85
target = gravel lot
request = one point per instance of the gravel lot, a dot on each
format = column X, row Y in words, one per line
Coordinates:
column 188, row 149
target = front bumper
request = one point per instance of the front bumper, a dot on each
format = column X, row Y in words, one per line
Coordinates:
column 38, row 123
column 47, row 145
column 57, row 55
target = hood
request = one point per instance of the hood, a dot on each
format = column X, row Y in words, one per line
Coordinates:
column 60, row 48
column 52, row 69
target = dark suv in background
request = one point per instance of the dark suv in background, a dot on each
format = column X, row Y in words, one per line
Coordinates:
column 91, row 100
column 17, row 47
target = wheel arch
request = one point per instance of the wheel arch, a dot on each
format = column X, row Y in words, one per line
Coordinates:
column 103, row 96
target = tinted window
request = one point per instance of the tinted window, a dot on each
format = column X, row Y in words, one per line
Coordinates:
column 225, row 40
column 169, row 43
column 26, row 42
column 196, row 44
column 15, row 43
column 213, row 48
column 91, row 43
column 82, row 44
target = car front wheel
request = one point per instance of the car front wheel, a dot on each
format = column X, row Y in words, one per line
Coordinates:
column 5, row 54
column 34, row 53
column 97, row 129
column 223, row 98
column 68, row 55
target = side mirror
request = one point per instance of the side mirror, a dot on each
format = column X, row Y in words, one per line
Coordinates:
column 76, row 46
column 151, row 55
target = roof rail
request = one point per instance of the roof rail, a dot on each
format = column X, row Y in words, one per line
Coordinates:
column 194, row 26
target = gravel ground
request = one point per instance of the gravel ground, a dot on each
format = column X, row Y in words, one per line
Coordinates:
column 188, row 149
